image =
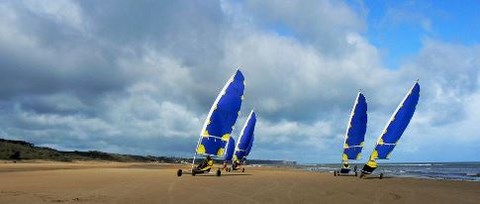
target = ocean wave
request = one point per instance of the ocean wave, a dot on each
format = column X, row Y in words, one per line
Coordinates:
column 443, row 171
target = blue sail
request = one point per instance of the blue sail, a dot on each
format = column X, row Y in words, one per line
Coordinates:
column 230, row 149
column 397, row 124
column 249, row 147
column 222, row 117
column 357, row 126
column 245, row 141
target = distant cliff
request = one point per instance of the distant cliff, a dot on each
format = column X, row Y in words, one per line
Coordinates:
column 16, row 150
column 21, row 150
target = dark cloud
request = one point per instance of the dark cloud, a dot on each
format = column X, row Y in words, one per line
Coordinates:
column 39, row 56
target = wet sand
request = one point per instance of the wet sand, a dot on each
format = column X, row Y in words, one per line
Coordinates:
column 90, row 182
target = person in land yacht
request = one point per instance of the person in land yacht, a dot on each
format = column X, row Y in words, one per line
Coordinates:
column 205, row 166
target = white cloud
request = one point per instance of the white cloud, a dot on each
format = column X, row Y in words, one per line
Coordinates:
column 61, row 11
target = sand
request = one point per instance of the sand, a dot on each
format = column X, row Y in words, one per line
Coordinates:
column 90, row 182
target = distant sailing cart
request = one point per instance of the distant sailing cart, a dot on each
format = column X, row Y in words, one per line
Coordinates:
column 393, row 130
column 229, row 155
column 245, row 143
column 355, row 136
column 219, row 124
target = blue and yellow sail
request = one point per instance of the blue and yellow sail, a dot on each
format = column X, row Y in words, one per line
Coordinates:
column 245, row 141
column 357, row 126
column 249, row 147
column 396, row 126
column 219, row 124
column 230, row 149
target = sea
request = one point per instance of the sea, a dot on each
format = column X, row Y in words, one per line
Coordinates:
column 466, row 171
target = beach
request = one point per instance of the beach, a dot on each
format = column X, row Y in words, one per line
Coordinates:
column 99, row 182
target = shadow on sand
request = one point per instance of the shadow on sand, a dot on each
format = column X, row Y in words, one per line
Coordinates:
column 377, row 177
column 225, row 174
column 347, row 175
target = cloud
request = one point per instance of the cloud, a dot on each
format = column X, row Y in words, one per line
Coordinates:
column 63, row 12
column 140, row 77
column 452, row 76
column 317, row 23
column 51, row 62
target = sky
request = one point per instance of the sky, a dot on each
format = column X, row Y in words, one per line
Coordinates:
column 139, row 77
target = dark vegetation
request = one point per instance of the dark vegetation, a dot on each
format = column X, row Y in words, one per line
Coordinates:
column 20, row 150
column 16, row 150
